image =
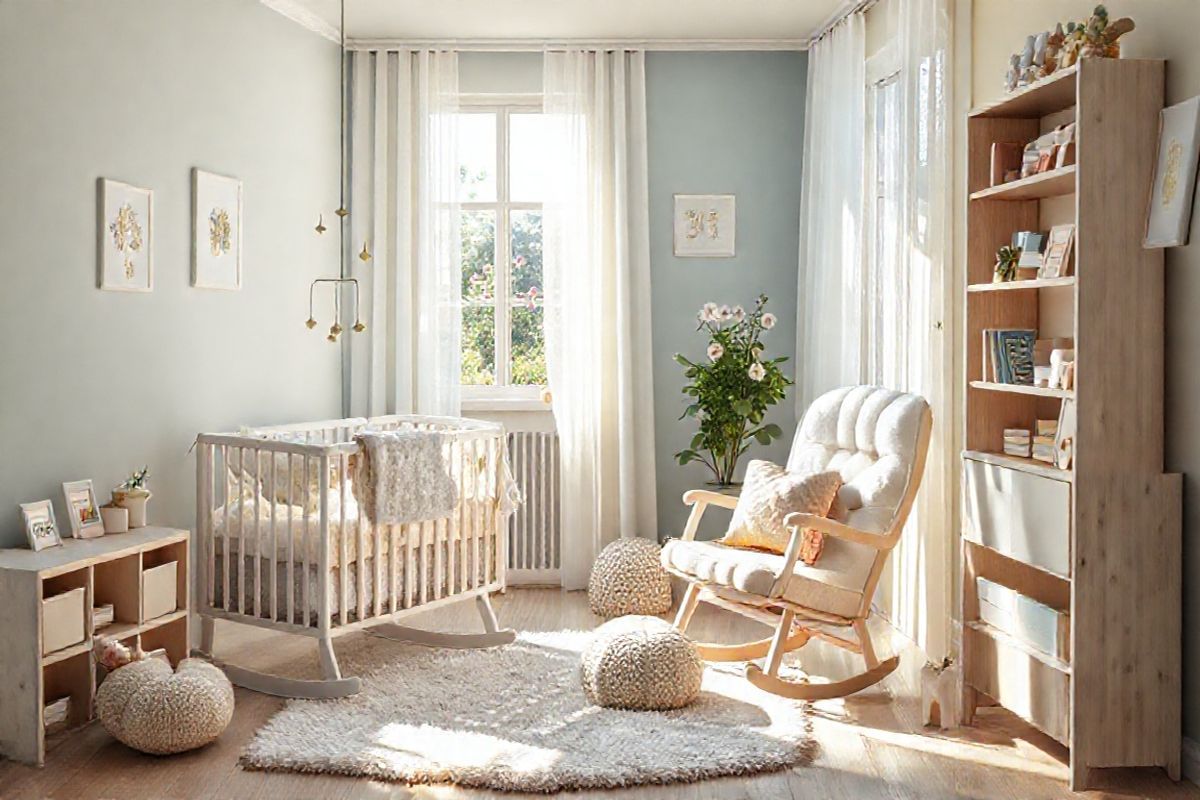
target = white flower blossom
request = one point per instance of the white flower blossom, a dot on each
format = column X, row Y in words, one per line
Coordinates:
column 739, row 313
column 708, row 313
column 757, row 372
column 724, row 313
column 715, row 351
column 768, row 321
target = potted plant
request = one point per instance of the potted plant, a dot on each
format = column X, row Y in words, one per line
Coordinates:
column 732, row 390
column 133, row 495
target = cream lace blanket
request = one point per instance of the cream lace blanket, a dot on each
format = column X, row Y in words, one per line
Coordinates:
column 403, row 476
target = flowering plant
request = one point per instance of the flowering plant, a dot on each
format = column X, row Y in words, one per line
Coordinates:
column 733, row 389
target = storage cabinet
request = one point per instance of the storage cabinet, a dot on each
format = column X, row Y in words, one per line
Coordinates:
column 46, row 602
column 1071, row 578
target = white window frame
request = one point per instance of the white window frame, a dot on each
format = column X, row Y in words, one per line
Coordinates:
column 502, row 395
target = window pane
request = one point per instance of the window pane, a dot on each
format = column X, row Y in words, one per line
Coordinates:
column 527, row 158
column 527, row 255
column 528, row 346
column 477, row 158
column 478, row 256
column 478, row 346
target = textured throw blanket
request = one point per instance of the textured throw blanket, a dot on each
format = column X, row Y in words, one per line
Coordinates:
column 402, row 476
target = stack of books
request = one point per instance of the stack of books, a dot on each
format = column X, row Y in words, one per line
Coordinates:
column 1043, row 442
column 1008, row 355
column 1016, row 442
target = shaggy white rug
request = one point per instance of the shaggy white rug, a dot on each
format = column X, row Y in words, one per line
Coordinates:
column 515, row 719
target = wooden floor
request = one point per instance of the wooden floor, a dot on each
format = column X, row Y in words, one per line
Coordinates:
column 870, row 746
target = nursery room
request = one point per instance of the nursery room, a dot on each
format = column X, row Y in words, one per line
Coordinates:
column 512, row 398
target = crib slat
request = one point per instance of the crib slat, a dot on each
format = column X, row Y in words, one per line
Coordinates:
column 227, row 507
column 542, row 481
column 323, row 572
column 439, row 540
column 274, row 546
column 343, row 557
column 204, row 498
column 452, row 522
column 257, row 550
column 474, row 513
column 305, row 545
column 422, row 562
column 410, row 536
column 393, row 560
column 291, row 544
column 358, row 540
column 378, row 554
column 241, row 558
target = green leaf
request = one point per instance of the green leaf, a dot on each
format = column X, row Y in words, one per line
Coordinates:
column 742, row 407
column 692, row 410
column 762, row 437
column 697, row 440
column 685, row 456
column 773, row 430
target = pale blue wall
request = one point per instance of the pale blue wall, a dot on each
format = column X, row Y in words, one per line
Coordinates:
column 721, row 123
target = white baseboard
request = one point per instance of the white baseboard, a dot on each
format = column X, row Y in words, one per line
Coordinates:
column 1190, row 760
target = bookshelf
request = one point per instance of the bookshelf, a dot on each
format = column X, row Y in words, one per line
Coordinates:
column 1099, row 542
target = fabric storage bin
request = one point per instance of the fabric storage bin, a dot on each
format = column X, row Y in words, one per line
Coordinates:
column 1023, row 516
column 1040, row 626
column 63, row 620
column 159, row 590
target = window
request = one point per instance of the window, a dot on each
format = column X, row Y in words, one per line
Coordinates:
column 501, row 181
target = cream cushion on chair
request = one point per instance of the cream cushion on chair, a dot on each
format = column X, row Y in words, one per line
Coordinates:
column 869, row 436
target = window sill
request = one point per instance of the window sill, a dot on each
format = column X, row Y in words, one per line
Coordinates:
column 505, row 404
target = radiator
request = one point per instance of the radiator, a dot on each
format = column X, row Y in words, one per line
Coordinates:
column 533, row 531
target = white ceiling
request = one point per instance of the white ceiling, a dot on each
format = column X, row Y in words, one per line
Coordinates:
column 596, row 20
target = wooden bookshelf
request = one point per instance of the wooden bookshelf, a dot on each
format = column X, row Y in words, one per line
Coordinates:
column 1100, row 541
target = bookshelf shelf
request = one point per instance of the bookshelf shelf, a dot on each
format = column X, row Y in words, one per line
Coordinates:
column 1029, row 465
column 1054, row 183
column 1051, row 94
column 1017, row 388
column 1017, row 286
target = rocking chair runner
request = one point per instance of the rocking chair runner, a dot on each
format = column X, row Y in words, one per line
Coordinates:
column 877, row 440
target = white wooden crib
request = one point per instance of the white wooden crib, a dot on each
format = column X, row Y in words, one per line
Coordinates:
column 281, row 544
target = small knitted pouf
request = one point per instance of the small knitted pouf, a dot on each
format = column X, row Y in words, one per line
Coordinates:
column 153, row 708
column 628, row 578
column 641, row 664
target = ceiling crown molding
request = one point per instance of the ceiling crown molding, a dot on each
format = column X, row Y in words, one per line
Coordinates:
column 302, row 16
column 521, row 44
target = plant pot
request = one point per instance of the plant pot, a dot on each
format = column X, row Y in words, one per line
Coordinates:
column 116, row 519
column 135, row 501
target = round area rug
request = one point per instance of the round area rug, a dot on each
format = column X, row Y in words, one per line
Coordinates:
column 514, row 718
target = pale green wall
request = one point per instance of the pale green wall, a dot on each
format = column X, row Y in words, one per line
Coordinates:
column 721, row 123
column 97, row 383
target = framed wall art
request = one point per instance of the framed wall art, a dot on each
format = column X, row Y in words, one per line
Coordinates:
column 705, row 225
column 83, row 509
column 126, row 237
column 41, row 529
column 216, row 231
column 1170, row 214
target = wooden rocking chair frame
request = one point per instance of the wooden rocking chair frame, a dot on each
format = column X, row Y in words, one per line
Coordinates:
column 795, row 625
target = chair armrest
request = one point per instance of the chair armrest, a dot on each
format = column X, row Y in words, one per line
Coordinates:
column 797, row 521
column 694, row 496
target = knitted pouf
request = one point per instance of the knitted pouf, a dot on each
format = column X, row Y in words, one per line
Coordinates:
column 628, row 578
column 152, row 708
column 642, row 664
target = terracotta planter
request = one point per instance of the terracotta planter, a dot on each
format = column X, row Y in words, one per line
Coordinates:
column 116, row 519
column 135, row 501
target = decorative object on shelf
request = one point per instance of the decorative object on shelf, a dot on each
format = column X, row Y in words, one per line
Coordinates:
column 1060, row 357
column 1030, row 245
column 125, row 237
column 1008, row 355
column 641, row 663
column 335, row 329
column 1064, row 144
column 1047, row 52
column 57, row 715
column 133, row 495
column 1098, row 37
column 733, row 389
column 216, row 231
column 1057, row 261
column 1168, row 220
column 1006, row 162
column 1017, row 442
column 41, row 529
column 705, row 225
column 628, row 578
column 1064, row 435
column 83, row 510
column 102, row 616
column 115, row 518
column 940, row 695
column 1006, row 264
column 1043, row 443
column 150, row 707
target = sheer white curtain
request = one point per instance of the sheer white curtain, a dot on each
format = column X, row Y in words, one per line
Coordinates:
column 403, row 205
column 597, row 279
column 831, row 281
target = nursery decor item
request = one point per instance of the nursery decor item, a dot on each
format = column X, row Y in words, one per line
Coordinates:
column 147, row 705
column 133, row 495
column 641, row 663
column 769, row 494
column 41, row 529
column 705, row 225
column 940, row 694
column 731, row 390
column 628, row 578
column 116, row 518
column 84, row 513
column 1057, row 261
column 431, row 716
column 1006, row 264
column 125, row 237
column 216, row 231
column 1047, row 52
column 1169, row 217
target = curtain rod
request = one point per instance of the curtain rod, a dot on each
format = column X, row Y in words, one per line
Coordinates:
column 541, row 45
column 838, row 16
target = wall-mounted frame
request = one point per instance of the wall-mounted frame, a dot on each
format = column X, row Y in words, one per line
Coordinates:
column 82, row 509
column 216, row 231
column 705, row 225
column 1169, row 217
column 125, row 237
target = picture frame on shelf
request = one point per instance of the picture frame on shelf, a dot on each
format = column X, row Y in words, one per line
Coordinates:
column 1169, row 217
column 705, row 225
column 41, row 528
column 1056, row 262
column 216, row 231
column 125, row 237
column 83, row 510
column 1064, row 438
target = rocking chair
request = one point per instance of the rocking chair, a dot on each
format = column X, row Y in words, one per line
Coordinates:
column 877, row 440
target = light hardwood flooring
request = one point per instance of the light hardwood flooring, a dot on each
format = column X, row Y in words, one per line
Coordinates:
column 870, row 746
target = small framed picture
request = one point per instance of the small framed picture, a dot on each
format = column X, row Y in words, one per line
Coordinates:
column 1169, row 217
column 126, row 237
column 1056, row 263
column 81, row 503
column 40, row 527
column 216, row 231
column 705, row 225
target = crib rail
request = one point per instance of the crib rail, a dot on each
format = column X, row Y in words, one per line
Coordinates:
column 285, row 507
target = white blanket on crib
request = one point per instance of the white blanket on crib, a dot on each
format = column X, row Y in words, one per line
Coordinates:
column 403, row 476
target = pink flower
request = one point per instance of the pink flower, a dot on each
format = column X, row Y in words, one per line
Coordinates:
column 757, row 372
column 739, row 313
column 715, row 351
column 768, row 321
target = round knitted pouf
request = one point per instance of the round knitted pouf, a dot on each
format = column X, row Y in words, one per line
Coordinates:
column 628, row 578
column 152, row 708
column 642, row 664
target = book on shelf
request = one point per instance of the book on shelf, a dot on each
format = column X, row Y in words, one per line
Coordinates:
column 1008, row 355
column 1047, row 427
column 1017, row 442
